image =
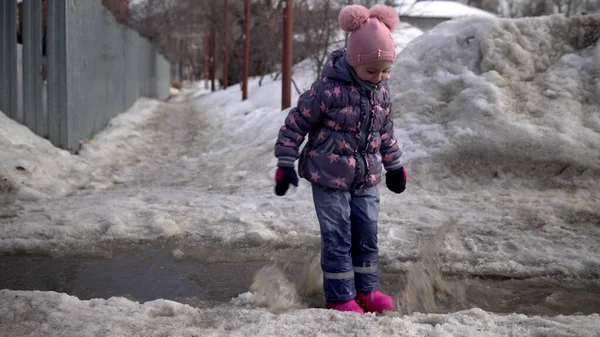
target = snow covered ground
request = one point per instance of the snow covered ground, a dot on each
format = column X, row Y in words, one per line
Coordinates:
column 500, row 126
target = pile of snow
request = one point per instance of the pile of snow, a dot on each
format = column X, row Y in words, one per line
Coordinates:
column 54, row 314
column 503, row 102
column 31, row 168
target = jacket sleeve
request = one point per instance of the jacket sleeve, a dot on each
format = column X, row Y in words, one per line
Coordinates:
column 390, row 151
column 298, row 123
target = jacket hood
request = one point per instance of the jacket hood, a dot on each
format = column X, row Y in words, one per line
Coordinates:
column 337, row 67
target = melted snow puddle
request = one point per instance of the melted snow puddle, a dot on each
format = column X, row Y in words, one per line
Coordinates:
column 155, row 273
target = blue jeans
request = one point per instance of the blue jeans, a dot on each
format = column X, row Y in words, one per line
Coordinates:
column 348, row 221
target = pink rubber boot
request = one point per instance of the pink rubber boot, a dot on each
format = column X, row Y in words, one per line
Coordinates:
column 351, row 306
column 375, row 301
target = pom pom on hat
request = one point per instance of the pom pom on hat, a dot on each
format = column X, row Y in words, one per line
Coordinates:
column 352, row 17
column 387, row 15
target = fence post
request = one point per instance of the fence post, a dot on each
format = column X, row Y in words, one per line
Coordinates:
column 8, row 60
column 56, row 40
column 32, row 68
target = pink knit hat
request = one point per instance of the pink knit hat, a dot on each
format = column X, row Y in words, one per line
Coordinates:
column 370, row 33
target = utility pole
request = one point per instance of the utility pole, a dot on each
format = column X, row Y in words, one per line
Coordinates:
column 246, row 65
column 225, row 61
column 179, row 72
column 206, row 61
column 286, row 78
column 212, row 60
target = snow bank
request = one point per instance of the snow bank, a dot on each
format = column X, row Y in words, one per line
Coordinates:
column 502, row 101
column 32, row 168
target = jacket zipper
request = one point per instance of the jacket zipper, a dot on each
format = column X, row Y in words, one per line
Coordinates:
column 364, row 135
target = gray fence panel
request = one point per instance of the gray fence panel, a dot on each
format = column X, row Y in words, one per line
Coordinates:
column 8, row 60
column 104, row 76
column 96, row 67
column 163, row 71
column 57, row 74
column 33, row 110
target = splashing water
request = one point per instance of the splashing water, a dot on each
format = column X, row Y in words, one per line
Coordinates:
column 271, row 287
column 311, row 281
column 425, row 286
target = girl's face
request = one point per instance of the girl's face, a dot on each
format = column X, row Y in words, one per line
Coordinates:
column 375, row 71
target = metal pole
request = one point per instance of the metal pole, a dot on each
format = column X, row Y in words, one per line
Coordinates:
column 8, row 60
column 206, row 57
column 246, row 65
column 212, row 58
column 286, row 78
column 179, row 72
column 225, row 51
column 32, row 68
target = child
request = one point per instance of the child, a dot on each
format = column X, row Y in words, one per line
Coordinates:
column 347, row 116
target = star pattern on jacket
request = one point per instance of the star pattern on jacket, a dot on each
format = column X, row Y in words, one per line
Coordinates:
column 306, row 112
column 347, row 110
column 293, row 119
column 342, row 145
column 373, row 178
column 337, row 91
column 312, row 153
column 324, row 107
column 288, row 143
column 339, row 182
column 314, row 176
column 352, row 162
column 332, row 158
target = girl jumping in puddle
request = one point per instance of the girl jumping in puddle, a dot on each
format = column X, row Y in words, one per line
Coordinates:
column 347, row 115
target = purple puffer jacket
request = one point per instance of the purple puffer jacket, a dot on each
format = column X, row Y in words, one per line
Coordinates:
column 346, row 146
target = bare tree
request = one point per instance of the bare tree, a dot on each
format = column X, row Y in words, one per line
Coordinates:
column 179, row 27
column 319, row 29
